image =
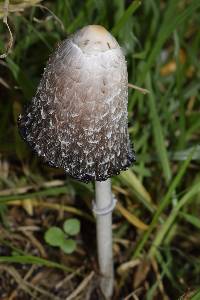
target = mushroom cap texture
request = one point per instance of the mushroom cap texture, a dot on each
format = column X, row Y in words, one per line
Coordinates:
column 78, row 118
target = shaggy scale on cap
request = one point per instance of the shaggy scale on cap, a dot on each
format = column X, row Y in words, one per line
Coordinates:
column 78, row 118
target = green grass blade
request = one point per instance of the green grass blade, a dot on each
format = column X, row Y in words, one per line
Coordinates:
column 158, row 134
column 130, row 180
column 163, row 204
column 196, row 296
column 174, row 213
column 49, row 192
column 21, row 78
column 127, row 14
column 29, row 259
column 37, row 33
column 193, row 220
column 170, row 23
column 81, row 17
column 55, row 191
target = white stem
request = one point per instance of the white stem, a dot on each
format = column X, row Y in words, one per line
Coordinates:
column 103, row 198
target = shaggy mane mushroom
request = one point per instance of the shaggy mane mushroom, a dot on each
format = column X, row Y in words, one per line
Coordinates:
column 78, row 121
column 78, row 118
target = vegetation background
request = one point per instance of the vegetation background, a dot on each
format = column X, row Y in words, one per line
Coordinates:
column 156, row 222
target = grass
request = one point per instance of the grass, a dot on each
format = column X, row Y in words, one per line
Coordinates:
column 162, row 189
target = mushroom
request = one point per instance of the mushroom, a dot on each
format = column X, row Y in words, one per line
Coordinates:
column 78, row 120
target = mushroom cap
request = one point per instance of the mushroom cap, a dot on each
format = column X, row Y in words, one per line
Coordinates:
column 78, row 118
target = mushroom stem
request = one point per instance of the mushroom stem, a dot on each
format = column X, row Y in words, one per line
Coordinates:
column 103, row 200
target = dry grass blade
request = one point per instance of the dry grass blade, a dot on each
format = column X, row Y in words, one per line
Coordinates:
column 131, row 218
column 125, row 267
column 18, row 7
column 53, row 15
column 35, row 243
column 139, row 89
column 134, row 182
column 81, row 287
column 132, row 295
column 28, row 274
column 17, row 277
column 56, row 206
column 25, row 189
column 42, row 291
column 4, row 83
column 5, row 10
column 159, row 279
column 68, row 278
column 27, row 205
column 141, row 273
